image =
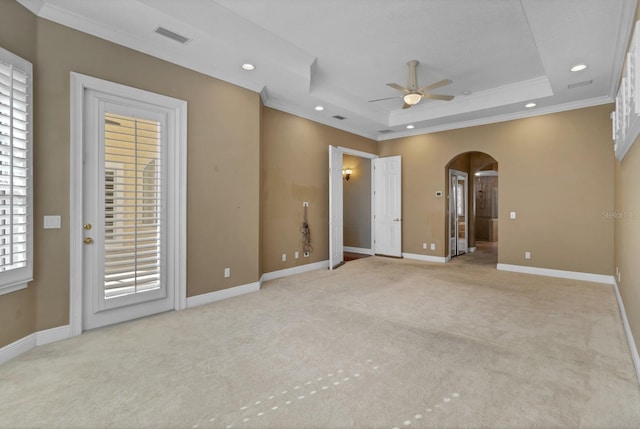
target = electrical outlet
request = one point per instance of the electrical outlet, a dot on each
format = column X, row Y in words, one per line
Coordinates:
column 306, row 254
column 433, row 246
column 296, row 254
column 227, row 272
column 512, row 215
column 284, row 257
column 527, row 255
column 424, row 245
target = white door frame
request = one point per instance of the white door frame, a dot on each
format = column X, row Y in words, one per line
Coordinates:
column 80, row 83
column 369, row 156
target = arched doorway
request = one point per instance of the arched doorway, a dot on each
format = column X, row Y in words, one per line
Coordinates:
column 472, row 209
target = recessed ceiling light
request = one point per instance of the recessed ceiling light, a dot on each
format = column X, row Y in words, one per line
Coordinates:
column 248, row 67
column 319, row 108
column 410, row 127
column 530, row 105
column 578, row 67
column 466, row 92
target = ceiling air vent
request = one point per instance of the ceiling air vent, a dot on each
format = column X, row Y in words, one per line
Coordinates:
column 338, row 117
column 579, row 84
column 171, row 35
column 385, row 131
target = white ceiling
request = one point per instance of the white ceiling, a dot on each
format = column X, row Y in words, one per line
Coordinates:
column 340, row 53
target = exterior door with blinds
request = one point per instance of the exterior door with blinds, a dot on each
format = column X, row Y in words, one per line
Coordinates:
column 124, row 211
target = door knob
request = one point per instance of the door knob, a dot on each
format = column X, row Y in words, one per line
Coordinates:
column 88, row 240
column 87, row 226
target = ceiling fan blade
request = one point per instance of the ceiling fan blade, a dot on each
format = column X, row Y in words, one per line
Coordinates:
column 438, row 97
column 381, row 99
column 398, row 87
column 406, row 106
column 443, row 82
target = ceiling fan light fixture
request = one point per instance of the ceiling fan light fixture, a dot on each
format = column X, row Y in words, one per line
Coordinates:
column 412, row 98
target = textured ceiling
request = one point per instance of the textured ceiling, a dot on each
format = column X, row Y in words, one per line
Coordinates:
column 500, row 54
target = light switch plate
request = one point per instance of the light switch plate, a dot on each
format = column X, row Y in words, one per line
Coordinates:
column 51, row 222
column 512, row 215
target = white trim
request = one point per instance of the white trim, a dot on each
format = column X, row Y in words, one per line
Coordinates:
column 358, row 153
column 17, row 348
column 294, row 270
column 427, row 258
column 358, row 250
column 472, row 249
column 573, row 275
column 633, row 349
column 219, row 295
column 53, row 335
column 80, row 83
column 31, row 341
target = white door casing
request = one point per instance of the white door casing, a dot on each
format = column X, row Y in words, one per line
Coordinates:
column 89, row 99
column 336, row 221
column 388, row 206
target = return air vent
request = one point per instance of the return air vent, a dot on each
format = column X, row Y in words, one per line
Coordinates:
column 579, row 84
column 171, row 35
column 338, row 117
column 384, row 131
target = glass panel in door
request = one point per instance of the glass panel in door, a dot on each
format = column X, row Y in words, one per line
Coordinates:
column 132, row 206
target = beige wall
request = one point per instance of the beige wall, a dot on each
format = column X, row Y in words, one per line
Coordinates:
column 556, row 172
column 223, row 164
column 17, row 309
column 626, row 218
column 295, row 168
column 357, row 202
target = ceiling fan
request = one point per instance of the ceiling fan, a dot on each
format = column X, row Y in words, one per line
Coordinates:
column 412, row 93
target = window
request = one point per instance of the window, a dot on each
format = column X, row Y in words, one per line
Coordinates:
column 16, row 208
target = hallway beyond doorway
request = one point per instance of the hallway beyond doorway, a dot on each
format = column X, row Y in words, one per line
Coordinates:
column 486, row 254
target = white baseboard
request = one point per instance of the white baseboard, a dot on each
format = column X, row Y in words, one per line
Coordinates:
column 40, row 338
column 635, row 357
column 428, row 258
column 358, row 250
column 573, row 275
column 207, row 298
column 294, row 270
column 472, row 249
column 52, row 335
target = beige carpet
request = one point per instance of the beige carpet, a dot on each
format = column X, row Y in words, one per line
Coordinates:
column 378, row 343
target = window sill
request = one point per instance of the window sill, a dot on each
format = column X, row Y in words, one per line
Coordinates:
column 13, row 287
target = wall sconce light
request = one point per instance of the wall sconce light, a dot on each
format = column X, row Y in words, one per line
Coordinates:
column 347, row 173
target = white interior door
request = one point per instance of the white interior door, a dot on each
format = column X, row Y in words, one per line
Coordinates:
column 336, row 222
column 388, row 206
column 125, row 216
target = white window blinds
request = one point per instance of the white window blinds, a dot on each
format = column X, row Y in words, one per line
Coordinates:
column 133, row 202
column 15, row 172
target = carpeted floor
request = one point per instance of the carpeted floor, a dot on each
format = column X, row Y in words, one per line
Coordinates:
column 378, row 343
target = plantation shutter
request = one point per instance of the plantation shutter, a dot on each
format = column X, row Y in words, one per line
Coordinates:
column 15, row 173
column 133, row 204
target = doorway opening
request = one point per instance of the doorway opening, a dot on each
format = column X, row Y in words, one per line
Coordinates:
column 386, row 204
column 356, row 197
column 472, row 210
